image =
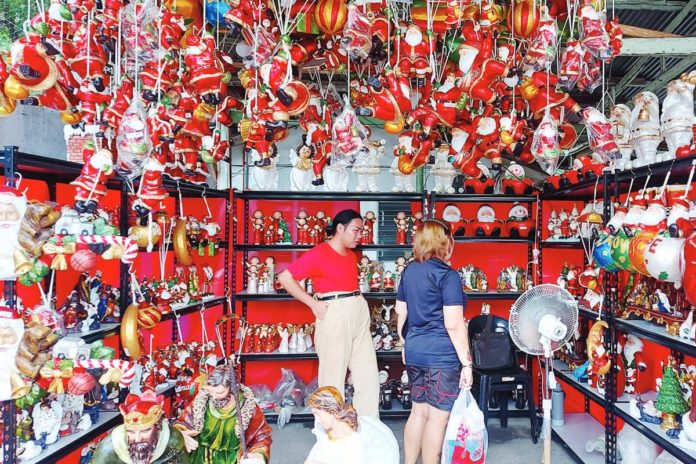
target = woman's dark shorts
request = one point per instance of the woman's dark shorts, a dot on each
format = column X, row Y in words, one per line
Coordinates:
column 436, row 387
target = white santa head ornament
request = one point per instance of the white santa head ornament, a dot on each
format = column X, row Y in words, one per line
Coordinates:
column 452, row 214
column 413, row 35
column 485, row 214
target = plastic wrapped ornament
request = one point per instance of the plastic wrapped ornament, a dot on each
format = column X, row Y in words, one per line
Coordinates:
column 571, row 65
column 542, row 49
column 349, row 136
column 600, row 135
column 545, row 147
column 357, row 34
column 133, row 141
column 593, row 32
column 139, row 32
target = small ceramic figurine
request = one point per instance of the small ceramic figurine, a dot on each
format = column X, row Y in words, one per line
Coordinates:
column 301, row 340
column 486, row 224
column 401, row 221
column 321, row 221
column 375, row 281
column 388, row 282
column 253, row 273
column 443, row 171
column 598, row 356
column 292, row 343
column 264, row 177
column 258, row 224
column 400, row 266
column 645, row 128
column 301, row 174
column 303, row 226
column 367, row 237
column 284, row 339
column 362, row 282
column 417, row 221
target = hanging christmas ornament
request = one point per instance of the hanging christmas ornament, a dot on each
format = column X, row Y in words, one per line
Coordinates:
column 133, row 141
column 523, row 18
column 331, row 16
column 600, row 135
column 545, row 146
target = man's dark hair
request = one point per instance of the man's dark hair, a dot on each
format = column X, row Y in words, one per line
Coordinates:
column 343, row 217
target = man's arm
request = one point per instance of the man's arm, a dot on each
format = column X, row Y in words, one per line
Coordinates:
column 293, row 287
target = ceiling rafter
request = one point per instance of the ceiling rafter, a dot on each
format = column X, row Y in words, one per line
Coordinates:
column 635, row 69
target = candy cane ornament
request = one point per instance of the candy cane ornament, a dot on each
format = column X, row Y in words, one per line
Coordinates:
column 126, row 368
column 130, row 248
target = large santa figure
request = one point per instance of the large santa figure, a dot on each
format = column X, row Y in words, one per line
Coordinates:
column 13, row 204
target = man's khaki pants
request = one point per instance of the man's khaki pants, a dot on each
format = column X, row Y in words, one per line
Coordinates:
column 343, row 341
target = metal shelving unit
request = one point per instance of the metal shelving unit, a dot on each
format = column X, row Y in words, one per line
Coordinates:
column 610, row 187
column 310, row 354
column 578, row 428
column 53, row 172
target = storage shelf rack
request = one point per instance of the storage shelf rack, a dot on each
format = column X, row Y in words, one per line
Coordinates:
column 53, row 172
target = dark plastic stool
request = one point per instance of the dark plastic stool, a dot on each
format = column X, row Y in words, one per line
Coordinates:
column 501, row 381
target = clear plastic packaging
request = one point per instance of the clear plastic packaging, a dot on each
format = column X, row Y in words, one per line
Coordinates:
column 545, row 146
column 349, row 135
column 289, row 395
column 133, row 141
column 140, row 33
column 542, row 49
column 571, row 65
column 599, row 134
column 357, row 34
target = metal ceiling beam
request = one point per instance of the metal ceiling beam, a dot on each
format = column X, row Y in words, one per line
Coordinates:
column 685, row 64
column 654, row 5
column 633, row 71
column 654, row 47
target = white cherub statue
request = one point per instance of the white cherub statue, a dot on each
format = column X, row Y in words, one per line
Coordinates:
column 301, row 174
column 284, row 340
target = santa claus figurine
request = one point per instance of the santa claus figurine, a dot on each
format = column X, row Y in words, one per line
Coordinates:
column 388, row 99
column 412, row 57
column 319, row 138
column 637, row 383
column 597, row 356
column 151, row 191
column 368, row 233
column 571, row 64
column 91, row 183
column 441, row 111
column 205, row 72
column 13, row 205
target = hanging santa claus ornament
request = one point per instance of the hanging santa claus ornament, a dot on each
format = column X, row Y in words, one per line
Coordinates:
column 571, row 64
column 133, row 141
column 545, row 147
column 331, row 16
column 523, row 18
column 357, row 34
column 541, row 52
column 91, row 183
column 600, row 134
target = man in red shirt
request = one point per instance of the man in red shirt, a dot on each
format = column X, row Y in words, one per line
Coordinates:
column 342, row 338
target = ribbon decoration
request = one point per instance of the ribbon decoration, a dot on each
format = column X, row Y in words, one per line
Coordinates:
column 59, row 261
column 56, row 386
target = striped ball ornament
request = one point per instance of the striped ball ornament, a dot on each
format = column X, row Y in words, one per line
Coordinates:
column 523, row 18
column 331, row 16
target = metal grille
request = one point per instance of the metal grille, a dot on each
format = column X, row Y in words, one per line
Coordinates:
column 13, row 14
column 387, row 228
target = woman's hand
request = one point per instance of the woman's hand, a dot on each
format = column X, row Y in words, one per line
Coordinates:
column 319, row 308
column 466, row 379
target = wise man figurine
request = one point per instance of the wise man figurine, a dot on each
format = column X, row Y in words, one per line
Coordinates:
column 145, row 437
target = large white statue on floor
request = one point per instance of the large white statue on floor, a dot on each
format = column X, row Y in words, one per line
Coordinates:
column 263, row 178
column 366, row 167
column 678, row 114
column 443, row 171
column 301, row 174
column 620, row 121
column 645, row 128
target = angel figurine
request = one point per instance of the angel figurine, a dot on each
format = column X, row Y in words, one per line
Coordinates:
column 301, row 174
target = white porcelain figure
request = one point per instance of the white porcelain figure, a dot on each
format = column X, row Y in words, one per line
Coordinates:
column 620, row 120
column 678, row 115
column 263, row 178
column 443, row 171
column 301, row 174
column 645, row 128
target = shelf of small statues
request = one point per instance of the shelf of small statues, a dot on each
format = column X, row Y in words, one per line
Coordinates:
column 66, row 445
column 655, row 433
column 564, row 372
column 305, row 415
column 244, row 296
column 574, row 434
column 104, row 330
column 309, row 354
column 473, row 198
column 493, row 239
column 194, row 252
column 657, row 334
column 328, row 196
column 193, row 307
column 43, row 168
column 291, row 247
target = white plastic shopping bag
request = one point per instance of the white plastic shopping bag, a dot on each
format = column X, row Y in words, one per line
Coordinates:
column 466, row 438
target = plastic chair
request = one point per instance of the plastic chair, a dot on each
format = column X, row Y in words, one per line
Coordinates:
column 503, row 380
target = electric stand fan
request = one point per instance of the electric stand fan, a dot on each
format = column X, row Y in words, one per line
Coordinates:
column 541, row 321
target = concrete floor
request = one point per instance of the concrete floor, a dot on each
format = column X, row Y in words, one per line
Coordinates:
column 505, row 446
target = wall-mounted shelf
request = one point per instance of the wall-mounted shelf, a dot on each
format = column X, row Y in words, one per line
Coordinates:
column 328, row 196
column 657, row 334
column 468, row 198
column 578, row 429
column 291, row 247
column 244, row 296
column 311, row 354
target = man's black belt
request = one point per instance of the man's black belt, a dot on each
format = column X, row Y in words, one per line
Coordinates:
column 339, row 295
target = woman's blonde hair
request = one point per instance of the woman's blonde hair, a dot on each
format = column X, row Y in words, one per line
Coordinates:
column 433, row 240
column 329, row 399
